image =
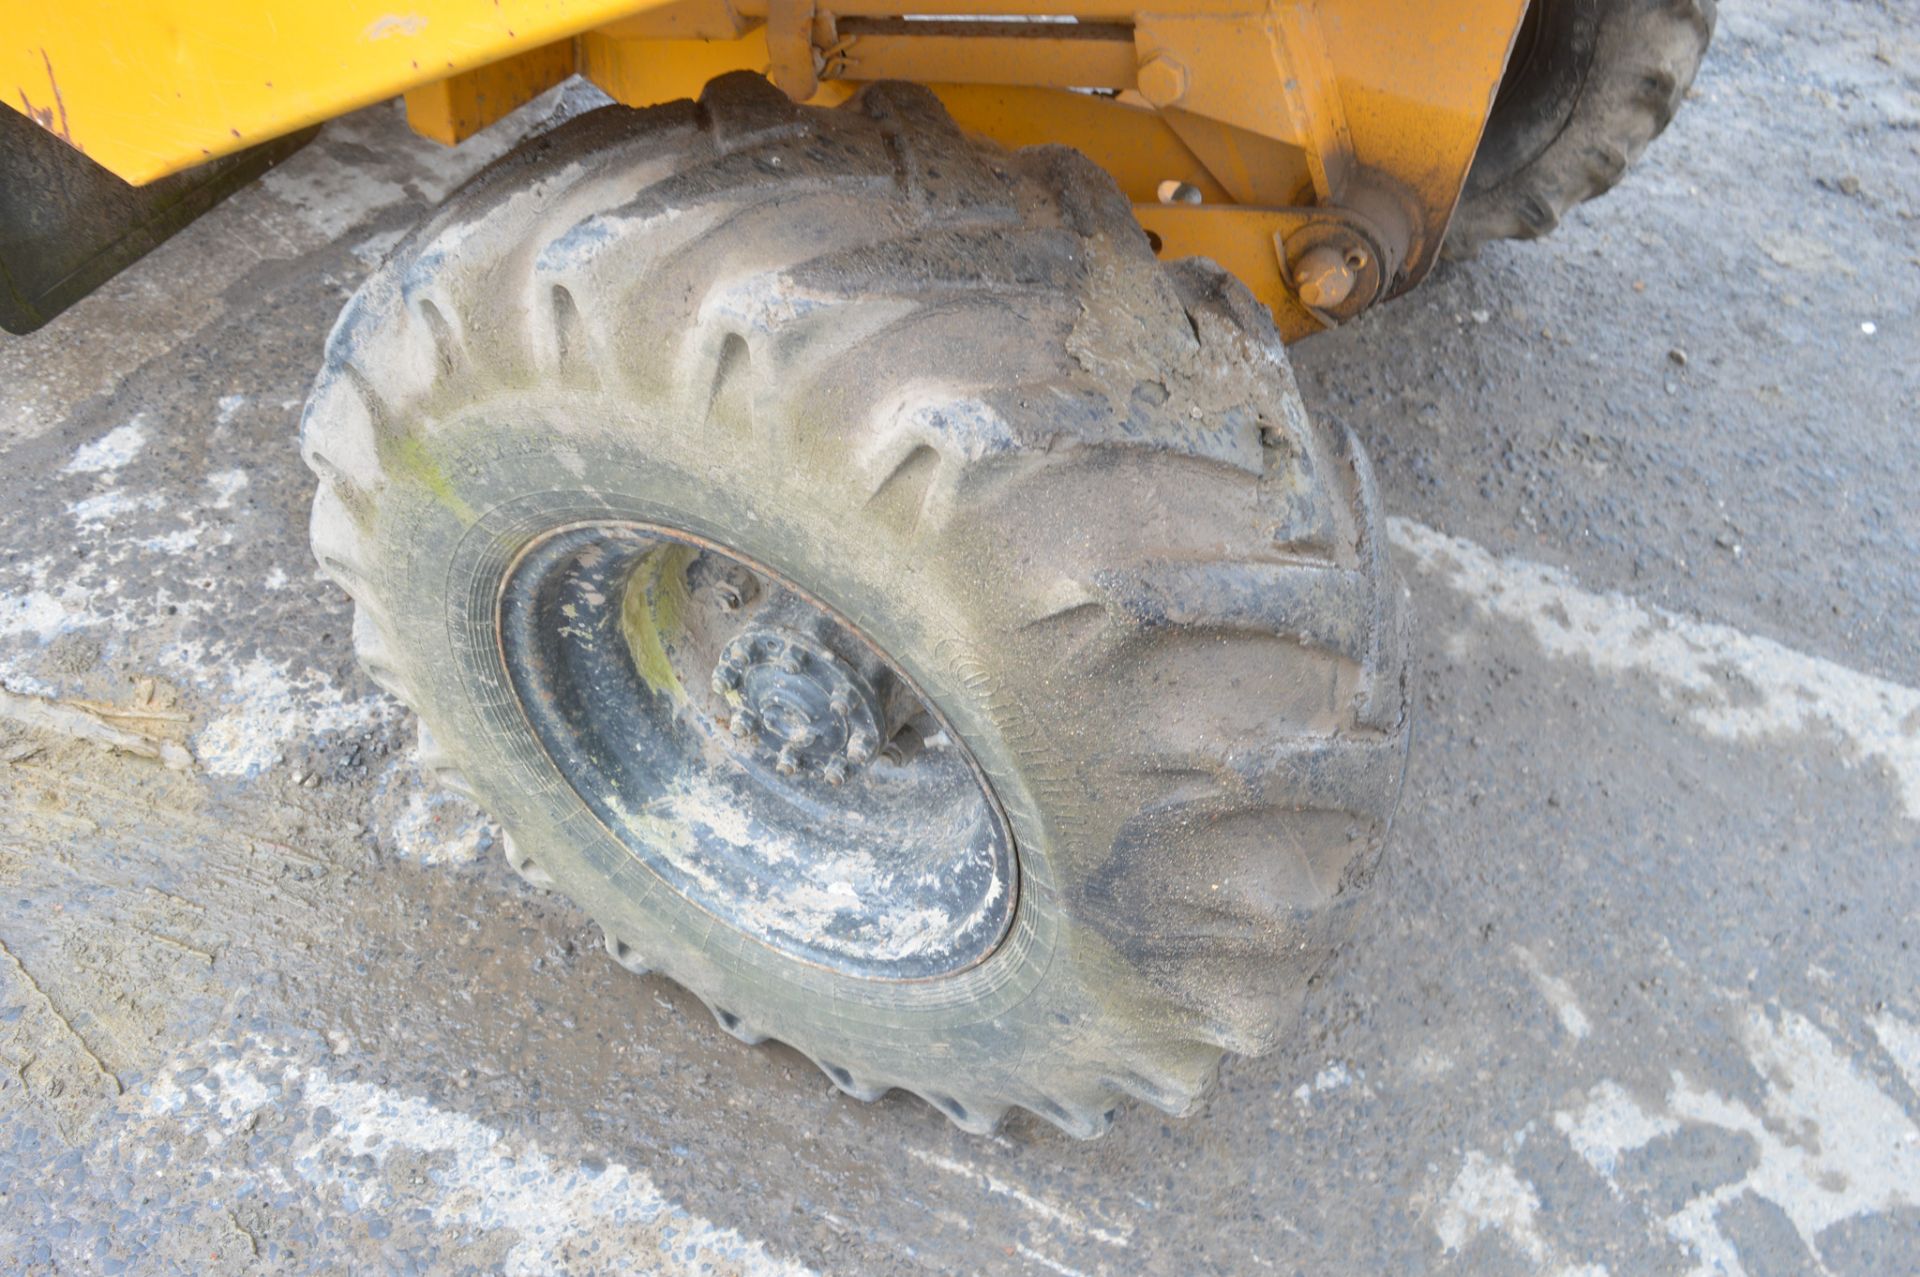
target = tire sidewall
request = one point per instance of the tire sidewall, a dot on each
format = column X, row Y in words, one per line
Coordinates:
column 497, row 476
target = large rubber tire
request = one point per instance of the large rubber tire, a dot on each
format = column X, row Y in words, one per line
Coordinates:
column 952, row 393
column 1590, row 83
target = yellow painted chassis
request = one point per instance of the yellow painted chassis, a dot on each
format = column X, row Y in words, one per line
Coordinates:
column 1329, row 137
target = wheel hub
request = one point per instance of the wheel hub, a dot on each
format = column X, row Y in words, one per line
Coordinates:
column 757, row 752
column 797, row 704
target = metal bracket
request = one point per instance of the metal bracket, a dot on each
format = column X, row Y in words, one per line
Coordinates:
column 1314, row 267
column 1232, row 84
column 795, row 64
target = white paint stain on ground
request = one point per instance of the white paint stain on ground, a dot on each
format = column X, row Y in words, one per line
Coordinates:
column 1489, row 1194
column 557, row 1210
column 1033, row 1256
column 439, row 828
column 178, row 541
column 1729, row 684
column 114, row 503
column 419, row 821
column 226, row 485
column 1901, row 1041
column 1335, row 1077
column 1829, row 1145
column 1611, row 1122
column 1558, row 993
column 1039, row 1207
column 257, row 707
column 41, row 610
column 270, row 707
column 110, row 451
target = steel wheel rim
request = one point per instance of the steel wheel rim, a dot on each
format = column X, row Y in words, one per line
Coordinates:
column 752, row 748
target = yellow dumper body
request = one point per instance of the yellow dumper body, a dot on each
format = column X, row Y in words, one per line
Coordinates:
column 1316, row 148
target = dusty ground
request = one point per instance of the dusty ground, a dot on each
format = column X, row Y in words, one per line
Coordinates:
column 1642, row 995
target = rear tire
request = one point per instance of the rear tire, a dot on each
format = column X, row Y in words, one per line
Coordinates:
column 950, row 392
column 1589, row 85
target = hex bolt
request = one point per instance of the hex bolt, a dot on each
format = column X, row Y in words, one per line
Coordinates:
column 841, row 705
column 1162, row 80
column 725, row 679
column 793, row 661
column 1325, row 275
column 736, row 588
column 835, row 770
column 743, row 724
column 860, row 747
column 788, row 762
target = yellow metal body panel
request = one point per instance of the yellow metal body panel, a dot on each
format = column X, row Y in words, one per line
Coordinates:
column 1262, row 110
column 149, row 87
column 452, row 110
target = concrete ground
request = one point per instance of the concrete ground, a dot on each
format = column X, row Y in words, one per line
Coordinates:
column 1641, row 994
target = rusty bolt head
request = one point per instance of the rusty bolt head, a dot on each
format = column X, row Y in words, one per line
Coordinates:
column 1162, row 80
column 788, row 761
column 1325, row 275
column 835, row 770
column 860, row 747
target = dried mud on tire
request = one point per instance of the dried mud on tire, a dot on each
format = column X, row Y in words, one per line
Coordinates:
column 950, row 390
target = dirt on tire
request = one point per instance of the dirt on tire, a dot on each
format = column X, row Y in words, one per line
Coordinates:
column 951, row 391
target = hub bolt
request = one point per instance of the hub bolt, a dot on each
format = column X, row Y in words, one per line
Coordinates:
column 1162, row 80
column 1325, row 275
